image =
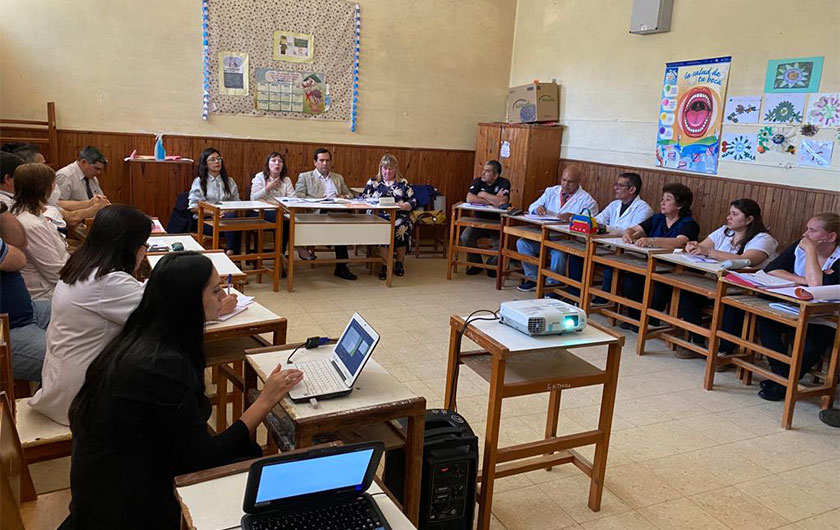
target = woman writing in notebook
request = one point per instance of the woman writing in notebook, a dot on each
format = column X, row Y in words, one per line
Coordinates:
column 743, row 237
column 140, row 419
column 812, row 261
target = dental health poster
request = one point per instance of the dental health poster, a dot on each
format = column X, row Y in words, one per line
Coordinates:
column 690, row 114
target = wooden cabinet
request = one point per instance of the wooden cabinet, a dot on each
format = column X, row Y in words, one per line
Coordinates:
column 532, row 163
column 154, row 185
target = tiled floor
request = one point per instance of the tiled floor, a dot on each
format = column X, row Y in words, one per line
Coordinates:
column 680, row 457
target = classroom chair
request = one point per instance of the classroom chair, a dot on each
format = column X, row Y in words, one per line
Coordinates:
column 20, row 506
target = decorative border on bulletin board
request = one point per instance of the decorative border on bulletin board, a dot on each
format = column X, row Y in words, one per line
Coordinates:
column 323, row 88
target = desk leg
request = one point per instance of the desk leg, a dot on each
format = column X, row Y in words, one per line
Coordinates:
column 279, row 336
column 491, row 443
column 414, row 465
column 389, row 259
column 643, row 319
column 827, row 401
column 278, row 249
column 215, row 240
column 221, row 401
column 453, row 231
column 303, row 437
column 599, row 462
column 290, row 273
column 553, row 419
column 451, row 390
column 238, row 400
column 714, row 341
column 586, row 277
column 795, row 366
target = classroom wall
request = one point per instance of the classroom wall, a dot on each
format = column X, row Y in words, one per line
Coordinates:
column 611, row 80
column 429, row 70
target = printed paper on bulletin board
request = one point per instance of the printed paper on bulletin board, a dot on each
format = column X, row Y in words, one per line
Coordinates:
column 250, row 27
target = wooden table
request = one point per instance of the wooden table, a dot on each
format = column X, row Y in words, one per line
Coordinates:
column 519, row 227
column 221, row 261
column 154, row 185
column 516, row 364
column 561, row 237
column 187, row 240
column 757, row 304
column 214, row 216
column 378, row 397
column 347, row 223
column 212, row 499
column 465, row 215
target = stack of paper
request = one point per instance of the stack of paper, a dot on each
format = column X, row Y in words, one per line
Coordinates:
column 759, row 279
column 820, row 293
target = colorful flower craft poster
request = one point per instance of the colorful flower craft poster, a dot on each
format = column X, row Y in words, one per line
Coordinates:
column 793, row 75
column 691, row 114
column 778, row 139
column 813, row 153
column 742, row 109
column 783, row 108
column 738, row 147
column 824, row 110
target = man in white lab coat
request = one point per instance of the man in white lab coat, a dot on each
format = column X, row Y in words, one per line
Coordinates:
column 563, row 202
column 628, row 209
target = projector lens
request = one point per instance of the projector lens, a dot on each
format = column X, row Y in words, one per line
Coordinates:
column 570, row 322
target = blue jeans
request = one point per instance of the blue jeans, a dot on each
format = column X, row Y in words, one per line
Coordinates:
column 532, row 248
column 29, row 344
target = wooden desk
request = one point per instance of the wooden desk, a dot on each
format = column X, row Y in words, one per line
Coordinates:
column 216, row 217
column 516, row 364
column 464, row 215
column 221, row 261
column 212, row 499
column 519, row 227
column 350, row 223
column 560, row 237
column 622, row 257
column 756, row 304
column 154, row 185
column 378, row 397
column 187, row 240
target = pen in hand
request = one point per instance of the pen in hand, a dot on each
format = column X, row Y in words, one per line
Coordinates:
column 230, row 281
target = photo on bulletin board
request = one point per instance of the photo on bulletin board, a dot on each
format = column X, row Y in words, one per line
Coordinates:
column 233, row 73
column 794, row 75
column 294, row 47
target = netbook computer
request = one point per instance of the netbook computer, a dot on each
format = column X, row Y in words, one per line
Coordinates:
column 321, row 488
column 335, row 376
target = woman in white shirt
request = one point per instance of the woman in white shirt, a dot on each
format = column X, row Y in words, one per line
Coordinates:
column 212, row 184
column 745, row 237
column 46, row 251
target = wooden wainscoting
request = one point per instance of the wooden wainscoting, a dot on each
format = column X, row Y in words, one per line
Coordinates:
column 785, row 209
column 449, row 170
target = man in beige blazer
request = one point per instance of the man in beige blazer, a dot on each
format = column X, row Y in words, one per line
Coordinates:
column 321, row 183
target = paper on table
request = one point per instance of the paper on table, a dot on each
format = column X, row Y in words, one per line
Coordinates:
column 762, row 279
column 157, row 228
column 787, row 308
column 820, row 293
column 228, row 316
column 535, row 217
column 700, row 259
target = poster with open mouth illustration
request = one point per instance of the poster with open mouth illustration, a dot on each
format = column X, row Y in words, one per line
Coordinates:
column 691, row 113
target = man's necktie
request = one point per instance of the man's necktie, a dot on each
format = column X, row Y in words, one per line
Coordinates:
column 87, row 188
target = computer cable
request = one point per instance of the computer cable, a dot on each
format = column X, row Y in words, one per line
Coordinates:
column 311, row 342
column 460, row 336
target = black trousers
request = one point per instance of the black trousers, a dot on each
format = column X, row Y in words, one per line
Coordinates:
column 633, row 287
column 818, row 339
column 691, row 310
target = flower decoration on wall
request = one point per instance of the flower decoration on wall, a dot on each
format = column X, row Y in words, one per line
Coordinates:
column 776, row 139
column 809, row 130
column 784, row 112
column 793, row 75
column 825, row 111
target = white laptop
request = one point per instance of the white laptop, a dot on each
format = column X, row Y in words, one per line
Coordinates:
column 335, row 376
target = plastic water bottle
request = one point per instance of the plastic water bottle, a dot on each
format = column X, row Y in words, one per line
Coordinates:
column 735, row 264
column 160, row 152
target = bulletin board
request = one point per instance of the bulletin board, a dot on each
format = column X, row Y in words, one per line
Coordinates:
column 281, row 58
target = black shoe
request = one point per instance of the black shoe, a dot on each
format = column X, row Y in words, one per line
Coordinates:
column 629, row 327
column 776, row 393
column 472, row 271
column 344, row 273
column 768, row 383
column 383, row 273
column 830, row 417
column 491, row 273
column 399, row 269
column 527, row 286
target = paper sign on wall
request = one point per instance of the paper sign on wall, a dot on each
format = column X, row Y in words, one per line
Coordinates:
column 504, row 151
column 742, row 109
column 294, row 47
column 233, row 73
column 813, row 153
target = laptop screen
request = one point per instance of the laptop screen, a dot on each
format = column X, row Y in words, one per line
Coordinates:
column 353, row 346
column 313, row 475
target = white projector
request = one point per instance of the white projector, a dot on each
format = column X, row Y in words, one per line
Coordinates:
column 544, row 316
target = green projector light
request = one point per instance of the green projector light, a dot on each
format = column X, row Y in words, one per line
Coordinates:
column 569, row 322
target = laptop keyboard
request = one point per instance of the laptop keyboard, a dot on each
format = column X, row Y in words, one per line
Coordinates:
column 358, row 514
column 319, row 378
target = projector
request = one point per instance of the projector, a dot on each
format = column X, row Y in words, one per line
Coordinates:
column 544, row 316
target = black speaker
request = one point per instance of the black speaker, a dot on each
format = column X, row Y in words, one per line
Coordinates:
column 450, row 467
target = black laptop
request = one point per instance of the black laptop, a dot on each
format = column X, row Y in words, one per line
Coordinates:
column 317, row 489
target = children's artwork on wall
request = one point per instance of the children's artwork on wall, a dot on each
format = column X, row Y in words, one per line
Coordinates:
column 783, row 108
column 738, row 147
column 742, row 109
column 294, row 47
column 282, row 91
column 793, row 75
column 691, row 114
column 824, row 110
column 233, row 73
column 778, row 139
column 813, row 153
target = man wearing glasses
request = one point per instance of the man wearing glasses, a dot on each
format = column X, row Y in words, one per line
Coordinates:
column 79, row 181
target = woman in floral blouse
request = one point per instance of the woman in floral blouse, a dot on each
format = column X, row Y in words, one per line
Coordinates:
column 390, row 183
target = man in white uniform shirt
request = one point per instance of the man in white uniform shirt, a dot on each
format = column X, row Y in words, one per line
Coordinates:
column 628, row 209
column 323, row 184
column 563, row 202
column 79, row 181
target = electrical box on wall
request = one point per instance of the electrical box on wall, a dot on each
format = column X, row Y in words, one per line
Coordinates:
column 651, row 16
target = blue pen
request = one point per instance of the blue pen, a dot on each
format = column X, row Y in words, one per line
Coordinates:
column 230, row 281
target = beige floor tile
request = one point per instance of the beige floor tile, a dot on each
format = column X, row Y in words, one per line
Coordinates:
column 819, row 479
column 637, row 486
column 529, row 509
column 623, row 521
column 727, row 467
column 680, row 514
column 572, row 494
column 639, row 412
column 738, row 510
column 824, row 521
column 684, row 474
column 717, row 428
column 676, row 434
column 640, row 446
column 788, row 500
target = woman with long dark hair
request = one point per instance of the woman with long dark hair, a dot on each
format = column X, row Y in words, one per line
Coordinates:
column 140, row 419
column 212, row 184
